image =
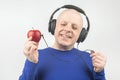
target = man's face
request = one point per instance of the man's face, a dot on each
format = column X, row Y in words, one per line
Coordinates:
column 68, row 28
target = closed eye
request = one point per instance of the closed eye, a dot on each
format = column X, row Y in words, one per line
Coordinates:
column 74, row 27
column 63, row 24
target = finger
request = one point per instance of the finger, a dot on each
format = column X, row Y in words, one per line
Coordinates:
column 26, row 52
column 28, row 45
column 96, row 64
column 97, row 61
column 92, row 51
column 35, row 43
column 30, row 38
column 96, row 54
column 33, row 48
column 27, row 48
column 93, row 58
column 97, row 69
column 32, row 42
column 93, row 54
column 97, row 57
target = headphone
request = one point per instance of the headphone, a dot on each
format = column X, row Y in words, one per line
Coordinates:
column 84, row 32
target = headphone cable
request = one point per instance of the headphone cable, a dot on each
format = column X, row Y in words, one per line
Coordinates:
column 44, row 40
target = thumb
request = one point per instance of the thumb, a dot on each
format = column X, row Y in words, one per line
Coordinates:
column 30, row 38
column 97, row 69
column 92, row 51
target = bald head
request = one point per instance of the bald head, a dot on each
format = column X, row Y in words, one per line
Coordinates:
column 71, row 14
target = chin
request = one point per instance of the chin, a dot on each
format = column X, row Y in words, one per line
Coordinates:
column 65, row 44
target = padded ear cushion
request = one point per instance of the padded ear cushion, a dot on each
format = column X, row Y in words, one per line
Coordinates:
column 52, row 26
column 83, row 35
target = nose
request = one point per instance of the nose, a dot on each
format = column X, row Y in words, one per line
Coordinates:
column 68, row 27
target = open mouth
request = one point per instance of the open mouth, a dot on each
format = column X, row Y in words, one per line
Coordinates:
column 66, row 36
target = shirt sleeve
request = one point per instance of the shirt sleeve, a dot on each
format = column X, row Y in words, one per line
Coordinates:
column 28, row 71
column 99, row 75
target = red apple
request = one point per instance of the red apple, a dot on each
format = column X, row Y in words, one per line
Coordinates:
column 36, row 35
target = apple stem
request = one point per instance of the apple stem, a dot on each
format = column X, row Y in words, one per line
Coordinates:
column 33, row 28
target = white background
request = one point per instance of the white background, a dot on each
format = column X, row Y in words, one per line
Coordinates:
column 19, row 16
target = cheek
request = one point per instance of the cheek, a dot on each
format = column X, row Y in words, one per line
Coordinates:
column 57, row 30
column 79, row 32
column 77, row 35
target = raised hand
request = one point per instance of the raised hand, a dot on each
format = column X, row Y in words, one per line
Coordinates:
column 31, row 50
column 98, row 60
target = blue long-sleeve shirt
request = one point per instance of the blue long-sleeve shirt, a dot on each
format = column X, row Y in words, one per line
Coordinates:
column 61, row 65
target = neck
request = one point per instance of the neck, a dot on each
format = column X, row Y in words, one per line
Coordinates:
column 62, row 47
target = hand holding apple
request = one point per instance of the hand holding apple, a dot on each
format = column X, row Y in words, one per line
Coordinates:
column 30, row 50
column 36, row 35
column 31, row 45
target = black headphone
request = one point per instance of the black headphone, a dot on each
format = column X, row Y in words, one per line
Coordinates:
column 84, row 32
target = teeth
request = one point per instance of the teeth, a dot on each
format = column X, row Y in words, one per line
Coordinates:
column 64, row 35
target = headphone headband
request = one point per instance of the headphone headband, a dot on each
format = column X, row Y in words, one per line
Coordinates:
column 74, row 7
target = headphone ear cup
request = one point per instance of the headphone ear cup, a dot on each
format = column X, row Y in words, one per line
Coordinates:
column 52, row 26
column 83, row 35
